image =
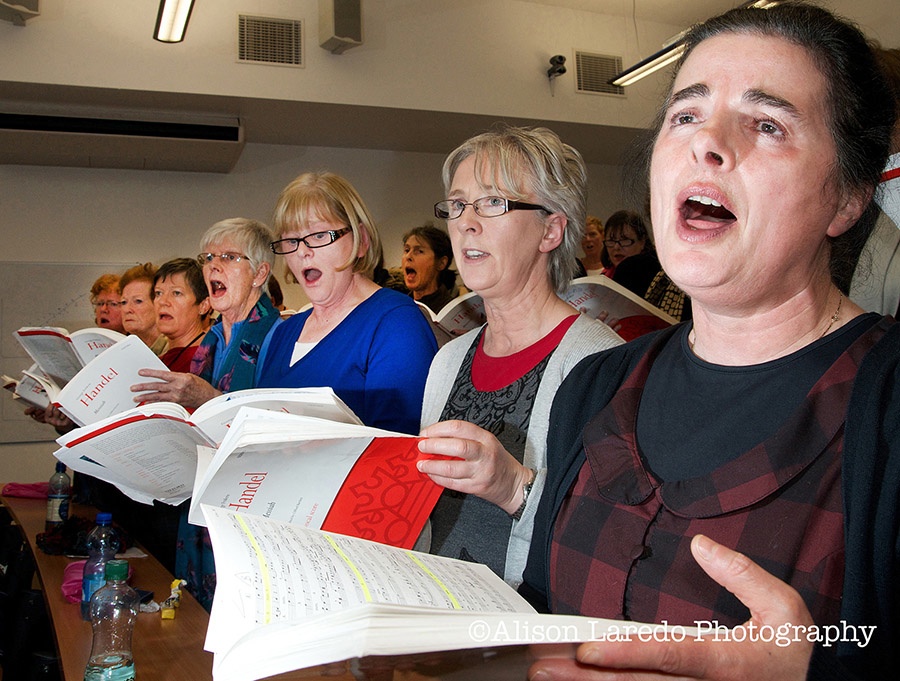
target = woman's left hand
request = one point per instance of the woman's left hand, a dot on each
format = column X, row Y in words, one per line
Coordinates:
column 481, row 466
column 772, row 604
column 188, row 390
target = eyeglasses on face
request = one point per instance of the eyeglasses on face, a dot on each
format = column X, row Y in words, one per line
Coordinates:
column 228, row 258
column 314, row 240
column 486, row 207
column 621, row 243
column 111, row 304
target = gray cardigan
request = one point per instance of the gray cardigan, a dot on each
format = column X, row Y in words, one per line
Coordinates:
column 585, row 337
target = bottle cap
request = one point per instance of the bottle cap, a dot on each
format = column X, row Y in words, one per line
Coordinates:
column 60, row 467
column 104, row 518
column 117, row 569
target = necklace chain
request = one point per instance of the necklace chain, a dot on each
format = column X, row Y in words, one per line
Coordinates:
column 837, row 315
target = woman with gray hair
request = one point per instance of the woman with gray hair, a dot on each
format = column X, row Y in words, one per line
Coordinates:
column 515, row 210
column 236, row 262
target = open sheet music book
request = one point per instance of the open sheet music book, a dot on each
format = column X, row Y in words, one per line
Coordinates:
column 27, row 389
column 463, row 313
column 288, row 597
column 99, row 389
column 340, row 477
column 60, row 354
column 599, row 294
column 150, row 452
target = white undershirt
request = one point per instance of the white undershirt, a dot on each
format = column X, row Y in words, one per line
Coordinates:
column 300, row 351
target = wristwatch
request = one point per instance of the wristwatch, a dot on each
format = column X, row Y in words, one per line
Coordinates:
column 526, row 490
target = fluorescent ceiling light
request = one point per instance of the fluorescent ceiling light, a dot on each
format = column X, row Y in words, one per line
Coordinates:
column 671, row 51
column 172, row 20
column 647, row 66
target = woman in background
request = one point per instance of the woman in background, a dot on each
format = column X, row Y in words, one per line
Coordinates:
column 631, row 252
column 371, row 345
column 106, row 299
column 596, row 260
column 138, row 313
column 182, row 307
column 427, row 255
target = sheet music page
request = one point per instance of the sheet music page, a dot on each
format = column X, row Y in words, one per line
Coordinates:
column 269, row 572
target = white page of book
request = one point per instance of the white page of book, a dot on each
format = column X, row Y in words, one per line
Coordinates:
column 103, row 387
column 268, row 571
column 92, row 342
column 215, row 417
column 155, row 458
column 276, row 446
column 597, row 294
column 52, row 350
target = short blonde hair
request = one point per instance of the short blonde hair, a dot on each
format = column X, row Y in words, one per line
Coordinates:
column 332, row 198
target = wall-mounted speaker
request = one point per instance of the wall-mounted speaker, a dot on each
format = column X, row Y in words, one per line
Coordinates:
column 19, row 11
column 340, row 24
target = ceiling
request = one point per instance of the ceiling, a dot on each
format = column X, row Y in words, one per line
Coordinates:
column 331, row 125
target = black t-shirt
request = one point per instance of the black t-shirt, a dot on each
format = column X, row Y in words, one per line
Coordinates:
column 695, row 416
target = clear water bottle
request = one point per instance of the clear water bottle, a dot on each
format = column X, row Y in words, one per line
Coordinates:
column 58, row 497
column 102, row 545
column 114, row 609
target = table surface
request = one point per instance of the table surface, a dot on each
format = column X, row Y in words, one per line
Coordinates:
column 164, row 650
column 178, row 641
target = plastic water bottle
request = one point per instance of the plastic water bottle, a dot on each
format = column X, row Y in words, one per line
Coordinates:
column 58, row 497
column 114, row 609
column 102, row 544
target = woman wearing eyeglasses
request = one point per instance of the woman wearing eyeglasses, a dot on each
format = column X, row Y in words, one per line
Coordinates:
column 627, row 239
column 236, row 263
column 515, row 211
column 106, row 301
column 371, row 345
column 636, row 266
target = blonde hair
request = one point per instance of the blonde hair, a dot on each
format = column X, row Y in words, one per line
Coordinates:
column 332, row 198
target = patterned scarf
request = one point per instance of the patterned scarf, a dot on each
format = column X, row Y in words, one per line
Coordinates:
column 239, row 368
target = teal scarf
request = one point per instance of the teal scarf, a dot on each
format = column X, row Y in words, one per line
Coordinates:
column 238, row 370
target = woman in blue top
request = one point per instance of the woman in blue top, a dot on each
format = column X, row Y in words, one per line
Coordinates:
column 371, row 345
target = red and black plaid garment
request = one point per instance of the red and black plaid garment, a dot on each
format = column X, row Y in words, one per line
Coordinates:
column 621, row 543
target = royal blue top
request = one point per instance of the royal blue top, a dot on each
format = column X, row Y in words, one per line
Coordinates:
column 376, row 360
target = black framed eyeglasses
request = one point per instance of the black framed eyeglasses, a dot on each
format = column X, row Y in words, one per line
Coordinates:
column 621, row 243
column 486, row 207
column 228, row 258
column 314, row 240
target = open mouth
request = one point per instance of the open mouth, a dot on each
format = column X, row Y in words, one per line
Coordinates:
column 311, row 275
column 699, row 208
column 474, row 254
column 216, row 287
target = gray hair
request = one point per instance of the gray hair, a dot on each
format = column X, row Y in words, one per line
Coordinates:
column 251, row 236
column 533, row 160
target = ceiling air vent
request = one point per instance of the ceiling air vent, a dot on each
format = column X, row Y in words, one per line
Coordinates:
column 264, row 40
column 593, row 71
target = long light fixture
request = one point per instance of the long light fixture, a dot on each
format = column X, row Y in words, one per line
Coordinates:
column 647, row 66
column 172, row 20
column 670, row 52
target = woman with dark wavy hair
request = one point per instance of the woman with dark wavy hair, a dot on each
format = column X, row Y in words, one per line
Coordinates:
column 742, row 471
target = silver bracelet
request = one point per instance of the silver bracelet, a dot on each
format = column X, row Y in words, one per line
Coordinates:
column 526, row 491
